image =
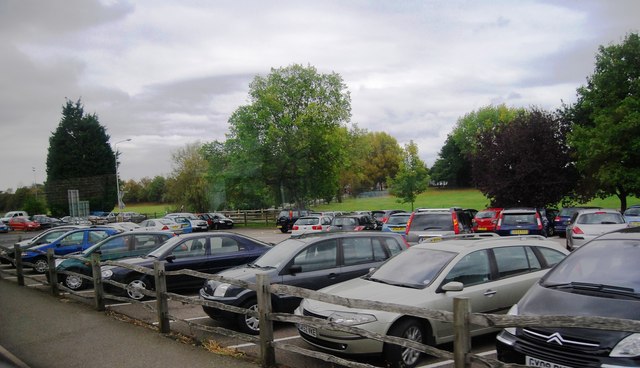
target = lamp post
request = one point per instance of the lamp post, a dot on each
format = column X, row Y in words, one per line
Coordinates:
column 115, row 145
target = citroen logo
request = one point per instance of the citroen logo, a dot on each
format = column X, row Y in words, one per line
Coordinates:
column 556, row 337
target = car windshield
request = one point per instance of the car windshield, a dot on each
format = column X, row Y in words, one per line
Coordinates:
column 279, row 254
column 632, row 211
column 308, row 221
column 415, row 267
column 398, row 219
column 600, row 218
column 601, row 262
column 348, row 221
column 486, row 214
column 568, row 212
column 432, row 221
column 518, row 218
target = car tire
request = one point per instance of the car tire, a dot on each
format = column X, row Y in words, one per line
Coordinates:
column 401, row 357
column 284, row 230
column 132, row 286
column 40, row 265
column 73, row 282
column 249, row 324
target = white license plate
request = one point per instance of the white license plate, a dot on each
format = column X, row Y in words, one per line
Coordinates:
column 311, row 331
column 535, row 362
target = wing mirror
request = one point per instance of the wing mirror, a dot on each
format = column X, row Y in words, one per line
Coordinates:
column 170, row 258
column 453, row 286
column 295, row 269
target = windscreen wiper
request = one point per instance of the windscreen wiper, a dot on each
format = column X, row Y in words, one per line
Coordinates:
column 602, row 288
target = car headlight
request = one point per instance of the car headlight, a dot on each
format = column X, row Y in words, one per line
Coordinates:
column 513, row 311
column 627, row 347
column 351, row 319
column 107, row 274
column 221, row 290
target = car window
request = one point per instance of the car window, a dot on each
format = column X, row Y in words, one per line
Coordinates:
column 360, row 250
column 600, row 218
column 73, row 238
column 326, row 221
column 518, row 219
column 432, row 221
column 318, row 256
column 486, row 214
column 52, row 236
column 96, row 236
column 142, row 242
column 472, row 269
column 552, row 256
column 515, row 261
column 190, row 248
column 115, row 245
column 223, row 244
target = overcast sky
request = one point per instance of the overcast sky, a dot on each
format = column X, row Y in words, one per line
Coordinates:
column 168, row 73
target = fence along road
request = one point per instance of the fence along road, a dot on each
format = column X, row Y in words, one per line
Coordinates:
column 185, row 316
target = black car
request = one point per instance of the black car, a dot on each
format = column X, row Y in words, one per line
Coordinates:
column 203, row 252
column 310, row 262
column 286, row 218
column 600, row 279
column 220, row 221
column 353, row 223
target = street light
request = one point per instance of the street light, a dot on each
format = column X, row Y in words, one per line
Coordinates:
column 115, row 145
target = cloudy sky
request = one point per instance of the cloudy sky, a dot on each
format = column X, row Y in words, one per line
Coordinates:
column 168, row 73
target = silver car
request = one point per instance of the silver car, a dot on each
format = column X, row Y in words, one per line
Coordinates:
column 590, row 223
column 493, row 272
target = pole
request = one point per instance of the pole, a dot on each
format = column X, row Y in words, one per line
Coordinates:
column 115, row 145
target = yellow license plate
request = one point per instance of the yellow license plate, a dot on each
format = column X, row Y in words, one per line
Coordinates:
column 519, row 232
column 397, row 228
column 482, row 229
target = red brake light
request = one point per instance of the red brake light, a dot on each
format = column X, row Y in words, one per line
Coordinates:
column 165, row 227
column 577, row 230
column 406, row 229
column 539, row 222
column 456, row 226
column 359, row 228
column 316, row 227
column 557, row 218
column 295, row 227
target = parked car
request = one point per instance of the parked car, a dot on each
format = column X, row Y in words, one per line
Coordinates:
column 23, row 224
column 124, row 226
column 72, row 241
column 491, row 271
column 309, row 262
column 44, row 237
column 287, row 217
column 520, row 221
column 601, row 279
column 437, row 222
column 310, row 224
column 397, row 223
column 74, row 220
column 196, row 223
column 161, row 224
column 185, row 223
column 382, row 216
column 46, row 222
column 632, row 215
column 587, row 224
column 11, row 214
column 3, row 227
column 548, row 216
column 486, row 220
column 116, row 247
column 352, row 223
column 220, row 221
column 208, row 252
column 561, row 220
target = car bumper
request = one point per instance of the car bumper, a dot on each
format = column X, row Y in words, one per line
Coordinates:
column 220, row 314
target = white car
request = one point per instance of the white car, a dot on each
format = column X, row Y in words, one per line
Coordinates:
column 310, row 224
column 589, row 223
column 161, row 224
column 124, row 226
column 493, row 272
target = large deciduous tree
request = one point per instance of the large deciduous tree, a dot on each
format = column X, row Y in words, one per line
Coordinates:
column 80, row 158
column 525, row 162
column 187, row 185
column 412, row 177
column 383, row 159
column 606, row 117
column 289, row 137
column 452, row 167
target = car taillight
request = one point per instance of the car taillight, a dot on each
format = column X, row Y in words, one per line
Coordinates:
column 456, row 226
column 499, row 223
column 539, row 222
column 577, row 230
column 358, row 228
column 316, row 227
column 384, row 220
column 557, row 218
column 295, row 227
column 165, row 227
column 406, row 230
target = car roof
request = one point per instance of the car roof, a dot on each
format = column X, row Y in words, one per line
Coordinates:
column 310, row 237
column 519, row 210
column 628, row 233
column 594, row 210
column 463, row 243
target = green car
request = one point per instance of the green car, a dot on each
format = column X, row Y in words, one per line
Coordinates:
column 123, row 245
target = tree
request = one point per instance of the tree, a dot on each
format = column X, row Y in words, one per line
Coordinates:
column 452, row 167
column 412, row 177
column 606, row 130
column 187, row 185
column 289, row 136
column 383, row 158
column 469, row 127
column 80, row 158
column 525, row 163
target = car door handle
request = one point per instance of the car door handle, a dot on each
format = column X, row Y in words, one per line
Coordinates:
column 490, row 293
column 333, row 275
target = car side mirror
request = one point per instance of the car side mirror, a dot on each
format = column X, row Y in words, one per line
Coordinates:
column 453, row 286
column 170, row 258
column 295, row 269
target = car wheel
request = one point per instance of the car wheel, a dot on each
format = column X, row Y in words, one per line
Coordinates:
column 284, row 230
column 73, row 282
column 133, row 289
column 398, row 356
column 249, row 324
column 551, row 232
column 40, row 265
column 216, row 226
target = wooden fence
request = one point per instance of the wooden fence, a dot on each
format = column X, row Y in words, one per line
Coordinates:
column 461, row 317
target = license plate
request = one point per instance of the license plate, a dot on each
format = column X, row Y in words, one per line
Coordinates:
column 519, row 232
column 311, row 331
column 535, row 362
column 278, row 226
column 397, row 228
column 482, row 229
column 634, row 223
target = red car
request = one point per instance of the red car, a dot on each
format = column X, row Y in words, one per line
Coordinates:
column 23, row 224
column 486, row 220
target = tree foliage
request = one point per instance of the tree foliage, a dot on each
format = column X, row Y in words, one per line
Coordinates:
column 80, row 158
column 289, row 138
column 452, row 166
column 525, row 162
column 187, row 185
column 472, row 125
column 412, row 177
column 383, row 158
column 606, row 117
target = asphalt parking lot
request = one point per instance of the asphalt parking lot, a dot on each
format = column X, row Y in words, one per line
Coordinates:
column 186, row 318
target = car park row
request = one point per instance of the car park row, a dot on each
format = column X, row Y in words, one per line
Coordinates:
column 494, row 272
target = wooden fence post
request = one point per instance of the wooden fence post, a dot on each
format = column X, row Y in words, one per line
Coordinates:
column 462, row 337
column 267, row 352
column 53, row 275
column 17, row 260
column 162, row 304
column 98, row 288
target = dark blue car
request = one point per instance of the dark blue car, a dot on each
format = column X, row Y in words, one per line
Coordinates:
column 520, row 221
column 70, row 242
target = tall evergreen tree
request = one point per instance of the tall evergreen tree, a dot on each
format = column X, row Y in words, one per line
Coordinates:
column 80, row 158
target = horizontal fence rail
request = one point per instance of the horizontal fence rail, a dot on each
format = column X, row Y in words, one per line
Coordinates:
column 461, row 317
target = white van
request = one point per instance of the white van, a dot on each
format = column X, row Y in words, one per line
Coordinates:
column 7, row 216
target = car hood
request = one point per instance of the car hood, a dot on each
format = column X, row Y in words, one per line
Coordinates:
column 247, row 273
